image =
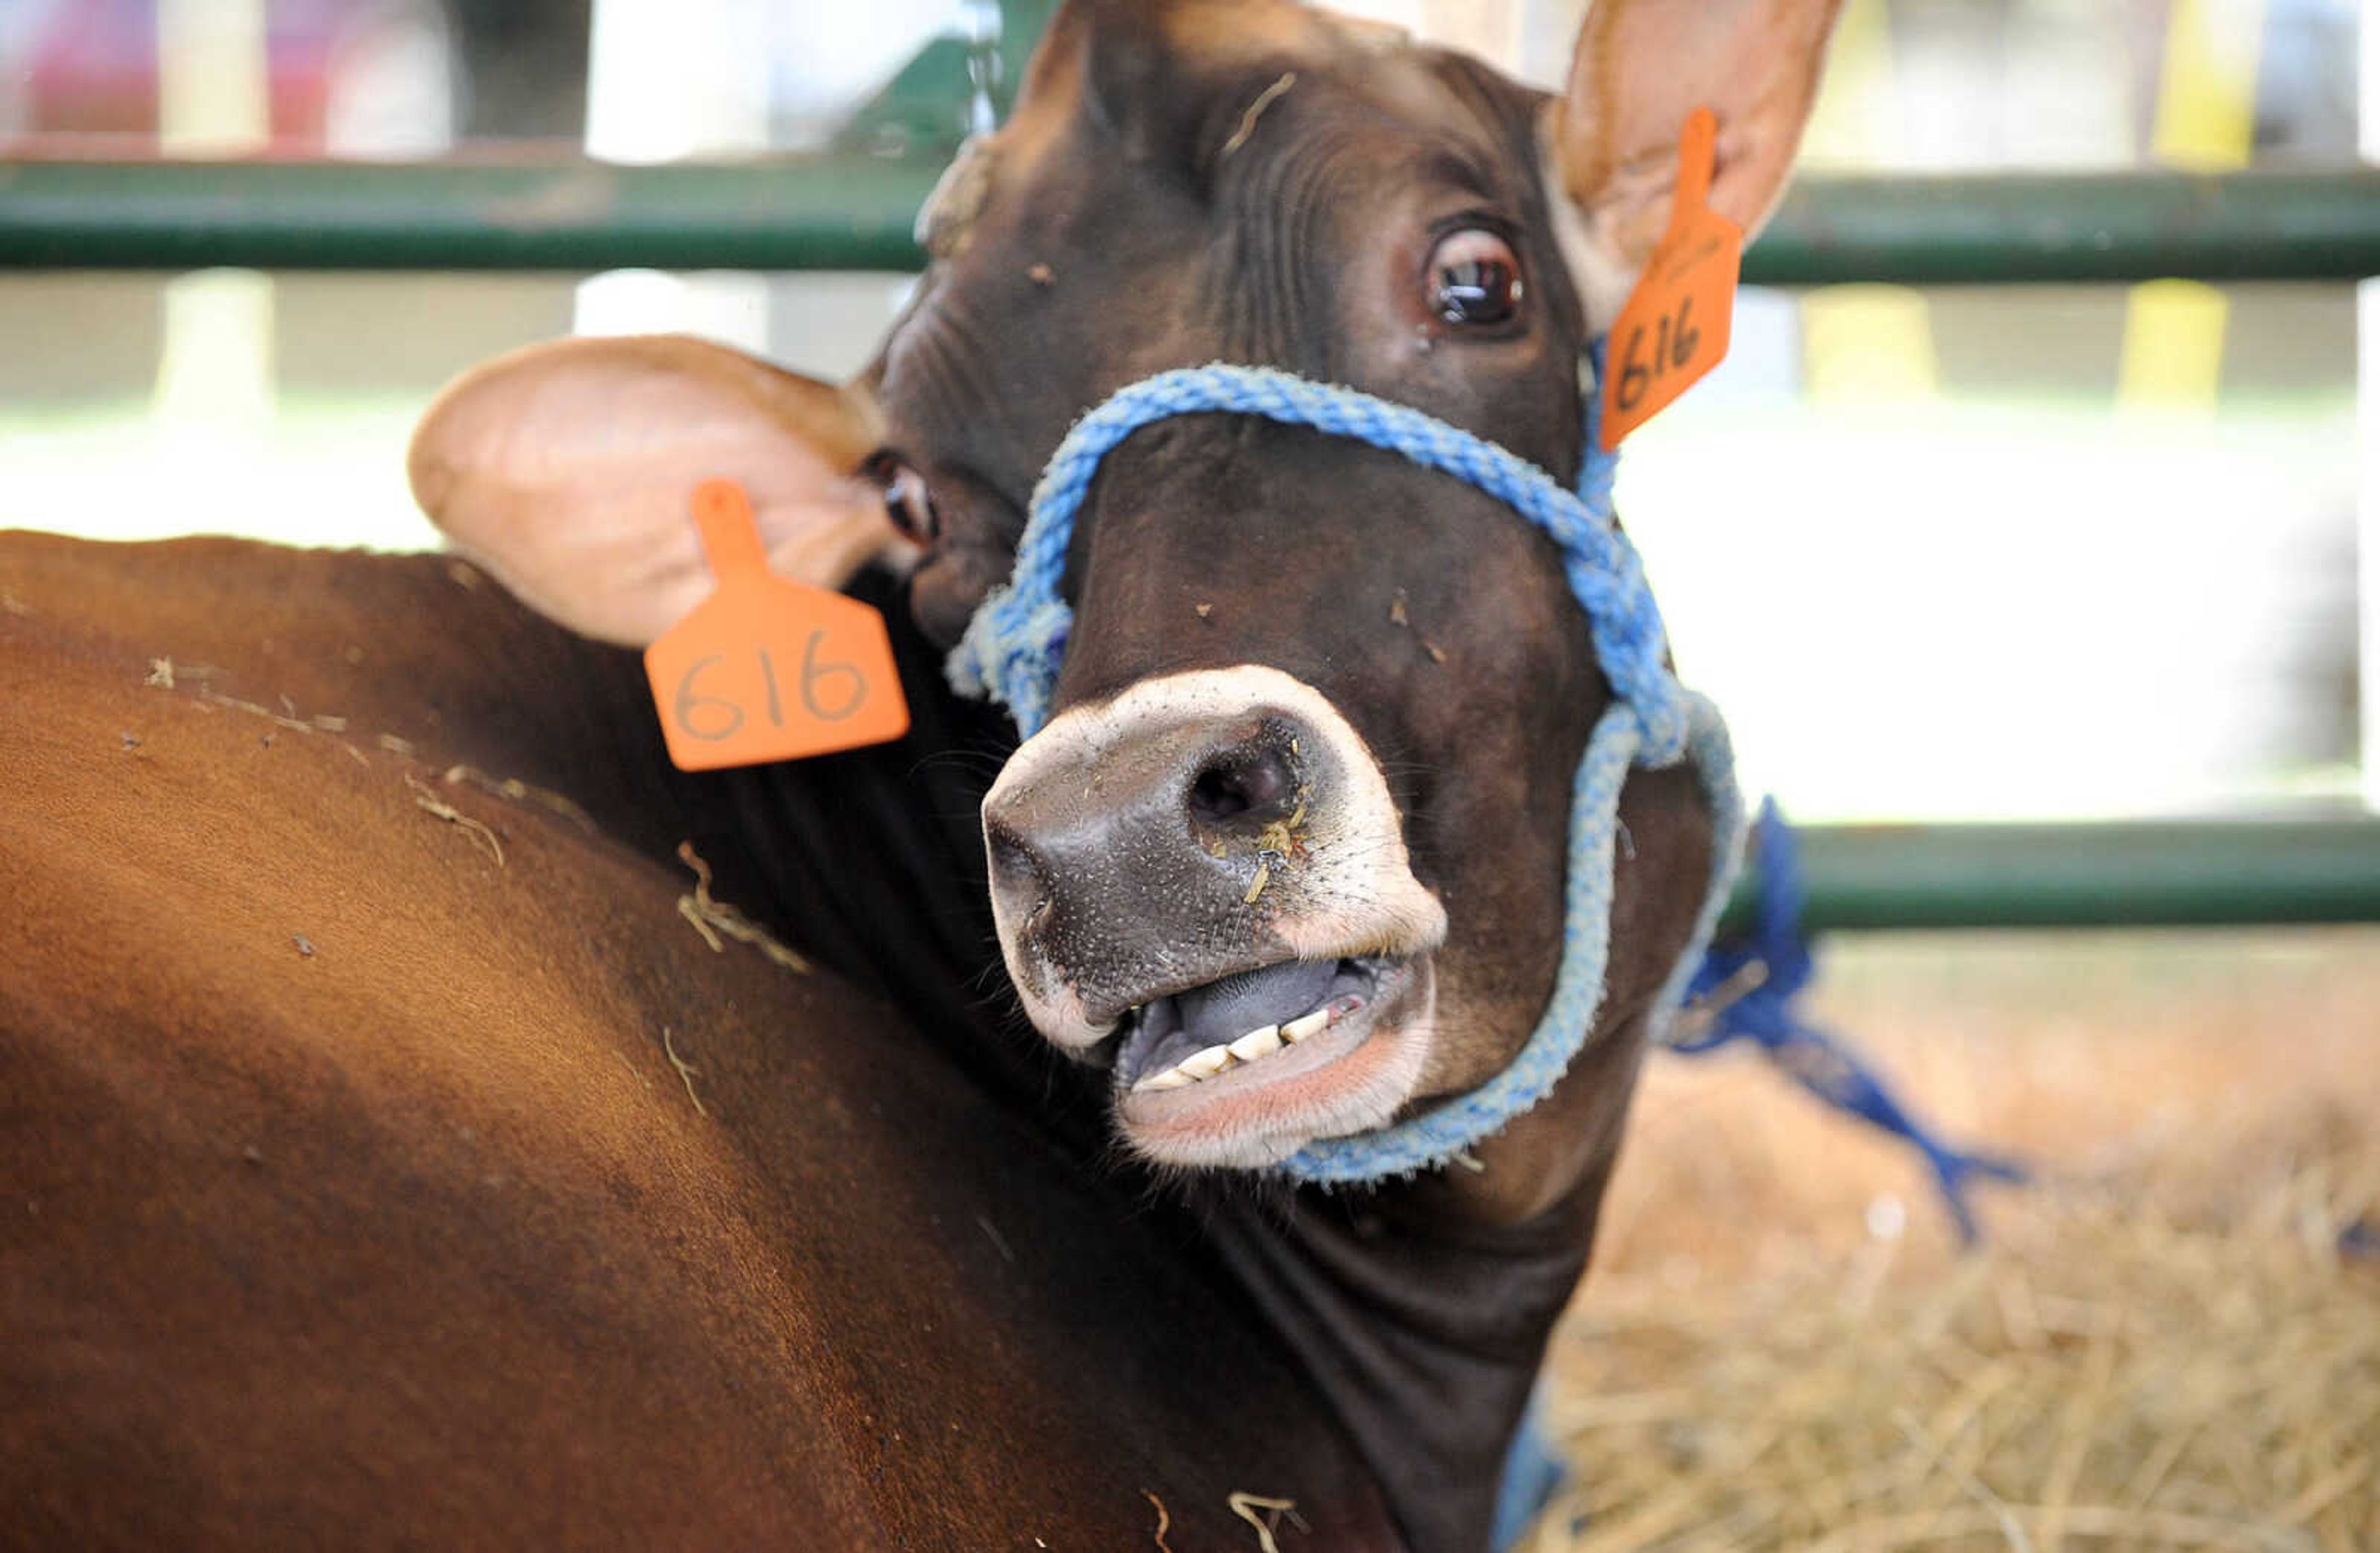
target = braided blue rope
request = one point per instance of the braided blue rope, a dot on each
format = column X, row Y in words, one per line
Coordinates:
column 1014, row 646
column 1765, row 1014
column 1453, row 1126
column 1016, row 640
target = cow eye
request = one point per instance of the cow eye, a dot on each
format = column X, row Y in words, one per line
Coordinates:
column 1475, row 278
column 906, row 500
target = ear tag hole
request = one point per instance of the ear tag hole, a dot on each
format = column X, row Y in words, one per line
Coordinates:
column 1677, row 322
column 765, row 668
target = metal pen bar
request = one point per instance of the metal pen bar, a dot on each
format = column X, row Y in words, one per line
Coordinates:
column 856, row 211
column 2129, row 874
column 562, row 215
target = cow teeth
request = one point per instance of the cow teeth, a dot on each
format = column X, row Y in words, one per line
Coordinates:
column 1257, row 1043
column 1247, row 1049
column 1207, row 1063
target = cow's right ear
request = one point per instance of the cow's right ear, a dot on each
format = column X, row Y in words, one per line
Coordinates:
column 568, row 469
column 1641, row 66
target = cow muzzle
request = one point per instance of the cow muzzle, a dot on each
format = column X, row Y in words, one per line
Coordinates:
column 1203, row 883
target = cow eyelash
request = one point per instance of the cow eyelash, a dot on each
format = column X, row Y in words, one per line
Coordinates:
column 908, row 502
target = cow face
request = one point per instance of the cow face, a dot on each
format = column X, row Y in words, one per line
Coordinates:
column 1288, row 858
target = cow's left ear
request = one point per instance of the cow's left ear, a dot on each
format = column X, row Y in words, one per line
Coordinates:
column 569, row 470
column 1641, row 66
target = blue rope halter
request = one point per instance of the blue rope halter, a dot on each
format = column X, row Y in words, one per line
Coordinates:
column 1014, row 646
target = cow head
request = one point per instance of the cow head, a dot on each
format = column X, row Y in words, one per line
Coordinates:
column 1287, row 857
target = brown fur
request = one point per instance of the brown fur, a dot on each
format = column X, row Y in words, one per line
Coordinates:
column 411, row 1234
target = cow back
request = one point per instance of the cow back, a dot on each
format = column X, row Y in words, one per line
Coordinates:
column 390, row 1161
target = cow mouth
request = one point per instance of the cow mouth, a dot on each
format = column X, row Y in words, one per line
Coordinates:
column 1187, row 1037
column 1198, row 1071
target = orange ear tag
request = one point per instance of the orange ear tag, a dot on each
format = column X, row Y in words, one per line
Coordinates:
column 767, row 669
column 1676, row 324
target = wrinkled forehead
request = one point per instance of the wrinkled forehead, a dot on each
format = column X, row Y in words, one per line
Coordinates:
column 1195, row 79
column 1209, row 179
column 1373, row 60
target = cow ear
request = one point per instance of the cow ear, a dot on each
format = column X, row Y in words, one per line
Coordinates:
column 1641, row 66
column 567, row 470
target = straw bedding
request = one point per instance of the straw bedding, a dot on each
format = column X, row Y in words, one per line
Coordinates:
column 2171, row 1340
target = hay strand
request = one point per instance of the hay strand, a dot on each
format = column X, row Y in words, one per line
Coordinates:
column 431, row 803
column 713, row 918
column 1245, row 1505
column 685, row 1070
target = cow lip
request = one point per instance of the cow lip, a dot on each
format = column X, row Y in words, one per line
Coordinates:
column 1149, row 1041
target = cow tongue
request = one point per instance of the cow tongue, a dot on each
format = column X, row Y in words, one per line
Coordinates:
column 1222, row 1012
column 1181, row 1024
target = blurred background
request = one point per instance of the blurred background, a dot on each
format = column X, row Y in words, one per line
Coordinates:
column 1973, row 553
column 2053, row 550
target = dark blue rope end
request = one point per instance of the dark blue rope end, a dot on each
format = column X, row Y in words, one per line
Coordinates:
column 1751, row 986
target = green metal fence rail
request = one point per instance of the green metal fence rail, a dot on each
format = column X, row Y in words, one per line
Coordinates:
column 856, row 211
column 789, row 215
column 2145, row 873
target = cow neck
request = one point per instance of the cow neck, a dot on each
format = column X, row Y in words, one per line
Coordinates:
column 871, row 862
column 1427, row 1339
column 1015, row 645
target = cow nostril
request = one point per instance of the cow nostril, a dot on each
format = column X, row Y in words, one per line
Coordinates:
column 1250, row 786
column 1013, row 863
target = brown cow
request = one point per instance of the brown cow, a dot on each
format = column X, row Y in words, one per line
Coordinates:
column 391, row 1156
